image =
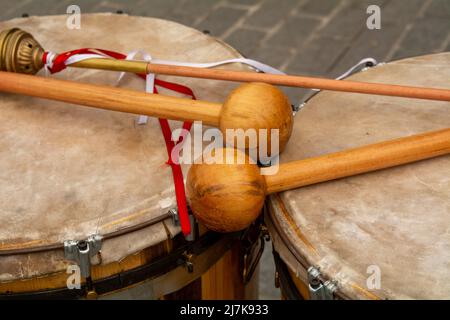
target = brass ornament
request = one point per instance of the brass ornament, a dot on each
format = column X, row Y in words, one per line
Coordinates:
column 20, row 52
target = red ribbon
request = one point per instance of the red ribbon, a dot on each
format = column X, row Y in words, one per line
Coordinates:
column 59, row 64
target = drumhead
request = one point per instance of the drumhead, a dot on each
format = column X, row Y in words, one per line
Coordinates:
column 392, row 223
column 69, row 172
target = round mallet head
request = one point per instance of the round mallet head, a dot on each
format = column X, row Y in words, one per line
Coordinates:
column 226, row 197
column 20, row 52
column 258, row 106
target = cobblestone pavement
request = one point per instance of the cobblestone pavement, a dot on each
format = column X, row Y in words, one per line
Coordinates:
column 310, row 37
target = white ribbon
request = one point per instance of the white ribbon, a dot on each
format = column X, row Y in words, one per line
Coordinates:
column 149, row 79
column 84, row 56
column 49, row 60
column 250, row 62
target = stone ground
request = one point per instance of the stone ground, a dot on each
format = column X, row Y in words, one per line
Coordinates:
column 310, row 37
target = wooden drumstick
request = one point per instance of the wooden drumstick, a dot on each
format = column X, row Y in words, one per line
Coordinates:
column 20, row 52
column 229, row 197
column 250, row 106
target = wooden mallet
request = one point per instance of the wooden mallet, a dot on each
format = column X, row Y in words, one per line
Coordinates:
column 229, row 197
column 20, row 52
column 250, row 106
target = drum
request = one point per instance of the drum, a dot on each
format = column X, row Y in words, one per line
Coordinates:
column 73, row 177
column 382, row 235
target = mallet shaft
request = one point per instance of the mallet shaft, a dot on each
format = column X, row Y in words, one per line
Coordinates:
column 359, row 160
column 110, row 98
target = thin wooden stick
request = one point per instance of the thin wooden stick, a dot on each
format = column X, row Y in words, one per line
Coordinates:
column 304, row 82
column 282, row 80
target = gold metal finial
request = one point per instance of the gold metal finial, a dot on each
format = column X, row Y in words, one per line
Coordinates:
column 20, row 52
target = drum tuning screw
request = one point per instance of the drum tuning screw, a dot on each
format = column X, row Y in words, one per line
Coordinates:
column 188, row 261
column 315, row 283
column 313, row 273
column 91, row 295
column 319, row 290
column 175, row 218
column 82, row 251
column 82, row 245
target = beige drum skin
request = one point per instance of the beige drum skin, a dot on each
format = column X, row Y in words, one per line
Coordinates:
column 67, row 172
column 382, row 235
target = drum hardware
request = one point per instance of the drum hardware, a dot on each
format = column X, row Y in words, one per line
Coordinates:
column 176, row 221
column 175, row 217
column 318, row 289
column 246, row 107
column 20, row 52
column 187, row 257
column 361, row 66
column 188, row 261
column 191, row 235
column 60, row 246
column 229, row 198
column 252, row 238
column 145, row 272
column 81, row 252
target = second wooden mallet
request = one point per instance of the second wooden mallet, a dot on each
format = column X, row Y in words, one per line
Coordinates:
column 229, row 197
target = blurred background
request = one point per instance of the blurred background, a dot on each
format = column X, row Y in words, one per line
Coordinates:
column 309, row 37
